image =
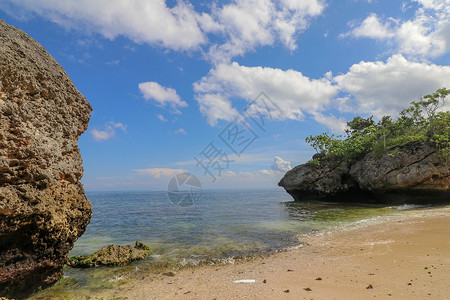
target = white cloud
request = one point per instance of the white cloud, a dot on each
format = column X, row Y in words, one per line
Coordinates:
column 162, row 95
column 102, row 135
column 118, row 125
column 108, row 132
column 382, row 88
column 246, row 179
column 142, row 21
column 161, row 118
column 216, row 106
column 290, row 90
column 180, row 131
column 244, row 24
column 335, row 124
column 371, row 27
column 159, row 172
column 427, row 34
column 280, row 165
column 251, row 23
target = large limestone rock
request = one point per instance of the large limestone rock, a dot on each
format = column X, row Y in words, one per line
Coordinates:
column 411, row 173
column 43, row 208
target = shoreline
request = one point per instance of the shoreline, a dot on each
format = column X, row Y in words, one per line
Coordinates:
column 399, row 257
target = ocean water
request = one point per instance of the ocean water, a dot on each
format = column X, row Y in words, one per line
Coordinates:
column 220, row 227
column 221, row 224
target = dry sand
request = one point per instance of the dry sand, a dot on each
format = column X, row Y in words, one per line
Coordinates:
column 403, row 258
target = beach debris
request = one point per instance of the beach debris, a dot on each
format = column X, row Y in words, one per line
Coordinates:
column 264, row 281
column 409, row 283
column 319, row 278
column 369, row 287
column 169, row 274
column 286, row 291
column 308, row 289
column 245, row 281
column 290, row 270
column 371, row 273
column 112, row 255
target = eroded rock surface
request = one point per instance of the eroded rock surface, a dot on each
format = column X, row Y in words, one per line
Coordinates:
column 411, row 173
column 43, row 208
column 112, row 255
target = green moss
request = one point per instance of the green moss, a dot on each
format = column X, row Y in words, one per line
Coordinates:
column 112, row 255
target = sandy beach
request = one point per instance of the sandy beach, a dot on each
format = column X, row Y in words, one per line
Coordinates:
column 397, row 258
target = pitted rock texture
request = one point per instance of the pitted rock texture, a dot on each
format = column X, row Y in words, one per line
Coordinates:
column 412, row 173
column 112, row 255
column 43, row 208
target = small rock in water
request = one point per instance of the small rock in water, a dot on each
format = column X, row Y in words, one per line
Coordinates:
column 112, row 255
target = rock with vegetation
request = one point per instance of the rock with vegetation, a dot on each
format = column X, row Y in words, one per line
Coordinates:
column 112, row 255
column 43, row 207
column 392, row 161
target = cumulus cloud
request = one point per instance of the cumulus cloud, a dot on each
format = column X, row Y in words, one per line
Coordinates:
column 245, row 24
column 372, row 27
column 163, row 96
column 142, row 21
column 159, row 172
column 216, row 106
column 108, row 132
column 427, row 34
column 382, row 88
column 377, row 88
column 280, row 165
column 290, row 90
column 336, row 124
column 251, row 23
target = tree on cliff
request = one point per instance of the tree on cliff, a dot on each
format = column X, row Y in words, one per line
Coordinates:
column 421, row 121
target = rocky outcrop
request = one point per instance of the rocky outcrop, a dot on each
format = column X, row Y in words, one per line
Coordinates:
column 112, row 255
column 43, row 208
column 410, row 173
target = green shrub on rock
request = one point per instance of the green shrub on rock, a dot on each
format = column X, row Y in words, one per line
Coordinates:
column 421, row 121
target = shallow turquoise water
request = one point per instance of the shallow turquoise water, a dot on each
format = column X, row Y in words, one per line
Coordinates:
column 223, row 225
column 220, row 225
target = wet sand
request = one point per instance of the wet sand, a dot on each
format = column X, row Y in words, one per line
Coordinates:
column 403, row 258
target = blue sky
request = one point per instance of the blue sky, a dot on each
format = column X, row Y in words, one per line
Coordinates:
column 170, row 81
